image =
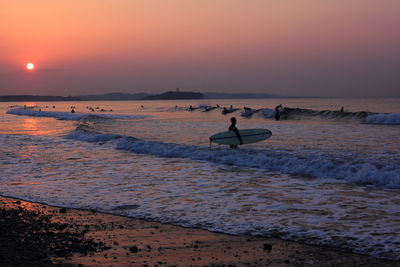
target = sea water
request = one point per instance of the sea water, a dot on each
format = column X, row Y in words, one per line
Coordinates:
column 326, row 176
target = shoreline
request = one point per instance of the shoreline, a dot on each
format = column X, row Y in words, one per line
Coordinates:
column 92, row 238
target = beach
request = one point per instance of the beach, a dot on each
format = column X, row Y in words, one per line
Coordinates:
column 122, row 241
column 325, row 178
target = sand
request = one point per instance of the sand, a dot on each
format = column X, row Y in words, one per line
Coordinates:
column 41, row 235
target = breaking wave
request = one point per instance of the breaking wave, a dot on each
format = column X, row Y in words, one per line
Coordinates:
column 390, row 118
column 68, row 115
column 299, row 113
column 361, row 116
column 286, row 114
column 305, row 164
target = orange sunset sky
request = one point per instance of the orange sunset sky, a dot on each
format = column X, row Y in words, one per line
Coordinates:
column 288, row 47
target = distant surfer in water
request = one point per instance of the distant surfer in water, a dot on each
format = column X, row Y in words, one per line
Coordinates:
column 233, row 128
column 277, row 111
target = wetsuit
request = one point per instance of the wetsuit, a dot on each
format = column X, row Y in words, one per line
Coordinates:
column 277, row 110
column 234, row 129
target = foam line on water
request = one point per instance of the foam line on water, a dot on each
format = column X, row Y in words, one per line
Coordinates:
column 384, row 118
column 305, row 164
column 100, row 178
column 68, row 115
column 269, row 113
column 361, row 116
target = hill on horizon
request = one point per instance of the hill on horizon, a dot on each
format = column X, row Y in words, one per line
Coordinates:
column 169, row 95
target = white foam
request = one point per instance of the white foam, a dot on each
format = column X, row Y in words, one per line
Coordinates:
column 306, row 164
column 201, row 194
column 68, row 115
column 248, row 113
column 384, row 118
column 269, row 113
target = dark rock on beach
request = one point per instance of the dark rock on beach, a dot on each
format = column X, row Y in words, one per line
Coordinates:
column 30, row 237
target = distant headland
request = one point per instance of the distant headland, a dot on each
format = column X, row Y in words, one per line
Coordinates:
column 170, row 95
column 175, row 96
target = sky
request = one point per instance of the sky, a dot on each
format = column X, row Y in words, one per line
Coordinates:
column 341, row 48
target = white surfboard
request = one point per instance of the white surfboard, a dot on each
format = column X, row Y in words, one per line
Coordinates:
column 248, row 136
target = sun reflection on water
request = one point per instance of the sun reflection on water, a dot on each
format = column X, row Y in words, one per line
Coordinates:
column 30, row 124
column 37, row 126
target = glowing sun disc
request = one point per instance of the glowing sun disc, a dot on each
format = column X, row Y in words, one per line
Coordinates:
column 30, row 66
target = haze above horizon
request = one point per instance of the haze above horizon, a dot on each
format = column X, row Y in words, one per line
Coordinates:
column 291, row 48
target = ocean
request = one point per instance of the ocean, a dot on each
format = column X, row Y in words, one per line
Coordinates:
column 326, row 176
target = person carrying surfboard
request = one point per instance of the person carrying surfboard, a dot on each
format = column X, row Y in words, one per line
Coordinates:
column 246, row 136
column 234, row 129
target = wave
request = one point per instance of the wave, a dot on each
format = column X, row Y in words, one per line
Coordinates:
column 304, row 164
column 388, row 118
column 92, row 137
column 68, row 115
column 360, row 116
column 298, row 113
column 248, row 113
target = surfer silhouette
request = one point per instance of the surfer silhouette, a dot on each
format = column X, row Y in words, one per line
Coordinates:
column 277, row 111
column 234, row 129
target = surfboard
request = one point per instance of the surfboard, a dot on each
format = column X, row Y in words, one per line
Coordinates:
column 228, row 110
column 248, row 136
column 207, row 109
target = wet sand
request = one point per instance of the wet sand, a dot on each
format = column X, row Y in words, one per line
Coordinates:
column 40, row 235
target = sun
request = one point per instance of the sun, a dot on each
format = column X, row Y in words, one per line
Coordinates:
column 30, row 66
